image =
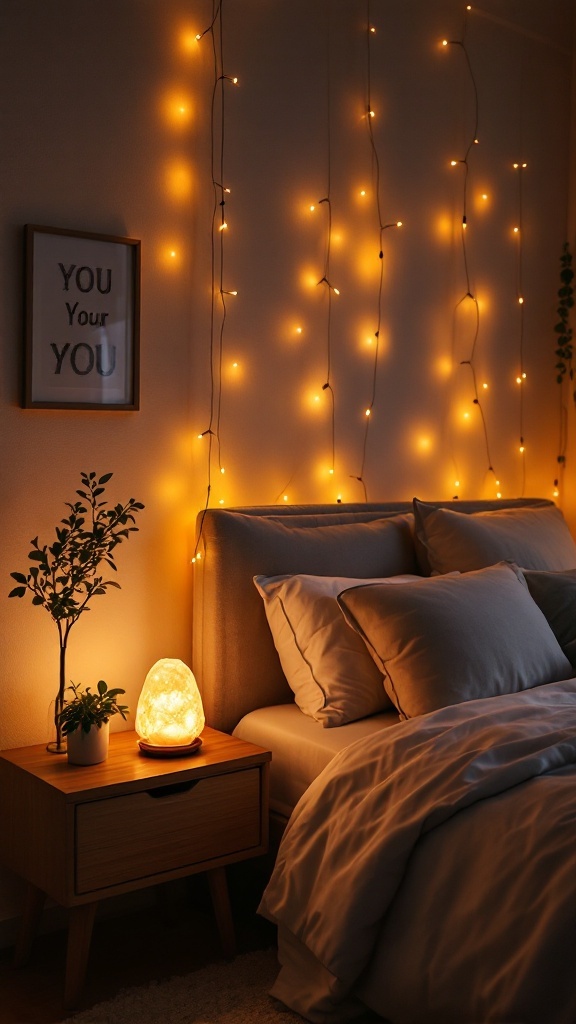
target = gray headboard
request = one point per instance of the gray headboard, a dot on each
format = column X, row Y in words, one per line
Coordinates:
column 234, row 659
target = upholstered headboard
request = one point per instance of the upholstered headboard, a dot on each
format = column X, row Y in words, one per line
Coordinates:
column 234, row 658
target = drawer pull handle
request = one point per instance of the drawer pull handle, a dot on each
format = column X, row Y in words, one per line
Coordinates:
column 177, row 787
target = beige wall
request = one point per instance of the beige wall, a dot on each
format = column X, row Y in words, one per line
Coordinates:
column 92, row 137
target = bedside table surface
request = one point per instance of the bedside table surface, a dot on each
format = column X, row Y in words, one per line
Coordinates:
column 126, row 765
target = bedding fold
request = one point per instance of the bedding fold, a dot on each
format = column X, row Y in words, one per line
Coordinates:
column 345, row 862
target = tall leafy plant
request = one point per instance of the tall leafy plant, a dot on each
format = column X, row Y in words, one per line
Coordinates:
column 64, row 576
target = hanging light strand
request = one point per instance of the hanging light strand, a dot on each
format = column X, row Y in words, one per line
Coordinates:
column 382, row 227
column 518, row 232
column 469, row 295
column 325, row 279
column 217, row 253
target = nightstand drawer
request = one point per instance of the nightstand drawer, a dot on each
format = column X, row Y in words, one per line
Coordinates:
column 171, row 827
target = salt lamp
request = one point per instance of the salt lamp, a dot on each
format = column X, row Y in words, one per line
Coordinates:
column 170, row 716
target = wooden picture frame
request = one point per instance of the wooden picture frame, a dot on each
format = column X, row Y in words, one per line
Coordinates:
column 82, row 320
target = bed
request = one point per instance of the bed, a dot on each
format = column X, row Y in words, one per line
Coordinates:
column 411, row 666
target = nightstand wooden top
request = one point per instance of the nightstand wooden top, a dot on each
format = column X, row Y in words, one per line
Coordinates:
column 125, row 765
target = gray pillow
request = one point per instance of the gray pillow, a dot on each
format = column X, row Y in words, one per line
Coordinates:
column 535, row 537
column 447, row 639
column 555, row 595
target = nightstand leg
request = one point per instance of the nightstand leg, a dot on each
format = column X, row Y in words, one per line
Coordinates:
column 79, row 936
column 31, row 914
column 222, row 910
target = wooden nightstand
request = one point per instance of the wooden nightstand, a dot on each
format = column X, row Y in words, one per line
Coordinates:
column 81, row 834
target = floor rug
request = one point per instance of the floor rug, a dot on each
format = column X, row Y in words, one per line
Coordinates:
column 222, row 993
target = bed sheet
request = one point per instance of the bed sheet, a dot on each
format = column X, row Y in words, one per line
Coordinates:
column 301, row 747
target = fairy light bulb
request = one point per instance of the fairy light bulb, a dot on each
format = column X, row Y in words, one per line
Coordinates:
column 367, row 413
column 520, row 300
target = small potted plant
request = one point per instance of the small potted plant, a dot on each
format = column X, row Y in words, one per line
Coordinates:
column 84, row 720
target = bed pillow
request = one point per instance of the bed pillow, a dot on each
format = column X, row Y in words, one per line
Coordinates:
column 555, row 595
column 331, row 673
column 447, row 639
column 535, row 537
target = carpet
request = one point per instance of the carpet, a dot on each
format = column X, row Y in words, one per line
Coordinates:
column 222, row 993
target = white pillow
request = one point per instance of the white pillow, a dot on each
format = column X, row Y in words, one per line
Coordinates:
column 332, row 675
column 535, row 537
column 447, row 639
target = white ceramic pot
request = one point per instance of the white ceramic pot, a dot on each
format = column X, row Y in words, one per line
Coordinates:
column 88, row 747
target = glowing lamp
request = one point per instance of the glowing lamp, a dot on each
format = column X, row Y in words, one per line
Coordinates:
column 170, row 716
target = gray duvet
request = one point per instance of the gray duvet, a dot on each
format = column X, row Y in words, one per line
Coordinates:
column 429, row 872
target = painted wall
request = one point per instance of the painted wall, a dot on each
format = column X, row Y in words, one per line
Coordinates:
column 106, row 127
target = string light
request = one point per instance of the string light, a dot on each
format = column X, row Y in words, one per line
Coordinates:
column 217, row 321
column 469, row 296
column 519, row 168
column 325, row 279
column 382, row 227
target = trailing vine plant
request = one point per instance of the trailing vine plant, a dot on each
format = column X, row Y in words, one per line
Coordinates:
column 563, row 328
column 564, row 352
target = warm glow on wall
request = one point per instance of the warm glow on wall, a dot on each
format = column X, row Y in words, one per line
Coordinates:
column 443, row 367
column 444, row 228
column 308, row 278
column 178, row 180
column 424, row 444
column 188, row 40
column 314, row 399
column 177, row 109
column 170, row 255
column 234, row 371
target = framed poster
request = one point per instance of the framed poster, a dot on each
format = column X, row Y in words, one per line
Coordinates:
column 82, row 320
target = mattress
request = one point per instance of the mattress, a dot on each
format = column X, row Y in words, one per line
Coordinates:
column 301, row 747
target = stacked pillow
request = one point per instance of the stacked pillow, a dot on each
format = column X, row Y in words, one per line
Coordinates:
column 454, row 638
column 473, row 625
column 327, row 664
column 535, row 537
